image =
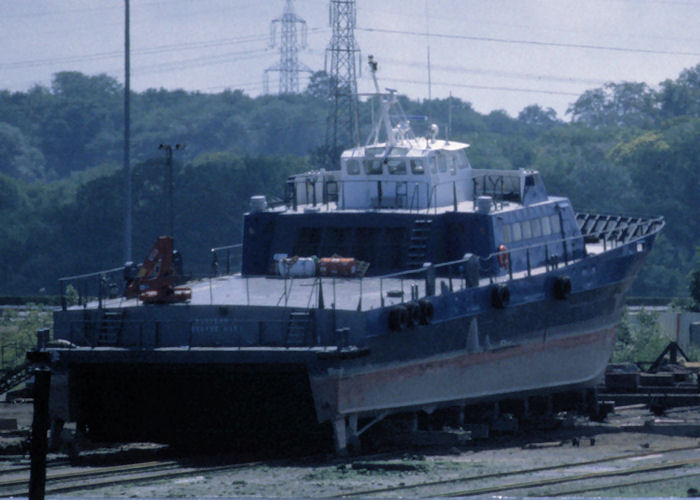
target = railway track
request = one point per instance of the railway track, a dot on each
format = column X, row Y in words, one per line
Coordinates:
column 64, row 480
column 554, row 475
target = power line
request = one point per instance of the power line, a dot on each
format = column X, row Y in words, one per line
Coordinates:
column 487, row 87
column 501, row 74
column 531, row 42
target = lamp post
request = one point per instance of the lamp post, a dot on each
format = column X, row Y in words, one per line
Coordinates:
column 169, row 182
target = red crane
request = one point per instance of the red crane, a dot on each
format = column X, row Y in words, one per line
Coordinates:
column 155, row 281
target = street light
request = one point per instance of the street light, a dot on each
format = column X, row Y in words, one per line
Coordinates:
column 169, row 182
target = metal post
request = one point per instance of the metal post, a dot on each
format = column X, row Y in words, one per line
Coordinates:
column 454, row 195
column 64, row 305
column 40, row 426
column 169, row 183
column 429, row 278
column 510, row 268
column 528, row 260
column 127, row 135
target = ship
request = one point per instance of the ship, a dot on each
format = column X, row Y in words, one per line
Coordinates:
column 404, row 282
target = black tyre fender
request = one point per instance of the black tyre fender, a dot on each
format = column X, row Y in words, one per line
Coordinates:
column 398, row 318
column 413, row 312
column 427, row 311
column 562, row 287
column 500, row 296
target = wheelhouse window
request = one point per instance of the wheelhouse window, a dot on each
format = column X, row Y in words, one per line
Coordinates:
column 396, row 166
column 373, row 167
column 462, row 161
column 442, row 162
column 417, row 167
column 556, row 223
column 507, row 233
column 352, row 167
column 536, row 228
column 452, row 163
column 517, row 232
column 546, row 227
column 432, row 161
column 527, row 231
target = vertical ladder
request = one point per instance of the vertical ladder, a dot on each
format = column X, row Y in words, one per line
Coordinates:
column 110, row 328
column 418, row 244
column 297, row 328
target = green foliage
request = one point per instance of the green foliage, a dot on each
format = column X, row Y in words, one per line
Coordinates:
column 628, row 149
column 18, row 329
column 694, row 282
column 639, row 338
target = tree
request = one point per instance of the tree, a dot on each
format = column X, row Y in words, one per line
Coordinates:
column 625, row 104
column 682, row 96
column 17, row 157
column 538, row 118
column 694, row 285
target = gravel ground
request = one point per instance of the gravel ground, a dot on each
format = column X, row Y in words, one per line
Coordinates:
column 627, row 431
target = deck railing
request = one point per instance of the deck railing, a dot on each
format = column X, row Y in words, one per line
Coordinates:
column 431, row 279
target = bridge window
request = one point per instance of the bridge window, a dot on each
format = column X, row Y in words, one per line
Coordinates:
column 527, row 231
column 536, row 228
column 452, row 163
column 517, row 232
column 507, row 233
column 417, row 167
column 462, row 161
column 556, row 224
column 397, row 166
column 432, row 161
column 353, row 167
column 546, row 228
column 442, row 163
column 373, row 167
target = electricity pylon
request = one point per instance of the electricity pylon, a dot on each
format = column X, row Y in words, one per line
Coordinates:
column 288, row 66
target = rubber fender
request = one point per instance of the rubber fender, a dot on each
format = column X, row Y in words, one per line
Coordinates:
column 562, row 287
column 427, row 311
column 500, row 296
column 398, row 318
column 413, row 310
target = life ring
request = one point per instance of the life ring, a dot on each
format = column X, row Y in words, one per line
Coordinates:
column 500, row 296
column 398, row 318
column 503, row 256
column 562, row 287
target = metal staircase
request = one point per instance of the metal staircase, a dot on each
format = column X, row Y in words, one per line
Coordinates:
column 298, row 327
column 418, row 244
column 621, row 229
column 16, row 376
column 110, row 328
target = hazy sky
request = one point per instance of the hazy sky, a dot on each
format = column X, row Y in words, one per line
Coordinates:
column 496, row 54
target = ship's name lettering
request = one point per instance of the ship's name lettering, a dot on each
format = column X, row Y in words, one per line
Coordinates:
column 214, row 325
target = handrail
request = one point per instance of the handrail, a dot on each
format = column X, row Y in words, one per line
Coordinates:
column 547, row 255
column 91, row 275
column 430, row 192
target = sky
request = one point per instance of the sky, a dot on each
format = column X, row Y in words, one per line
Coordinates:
column 495, row 54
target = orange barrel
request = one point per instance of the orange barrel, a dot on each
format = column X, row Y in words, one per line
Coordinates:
column 337, row 266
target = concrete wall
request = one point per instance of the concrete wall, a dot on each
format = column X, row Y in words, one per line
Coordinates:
column 678, row 325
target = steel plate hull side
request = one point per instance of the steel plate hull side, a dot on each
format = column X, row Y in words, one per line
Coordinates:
column 576, row 360
column 538, row 345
